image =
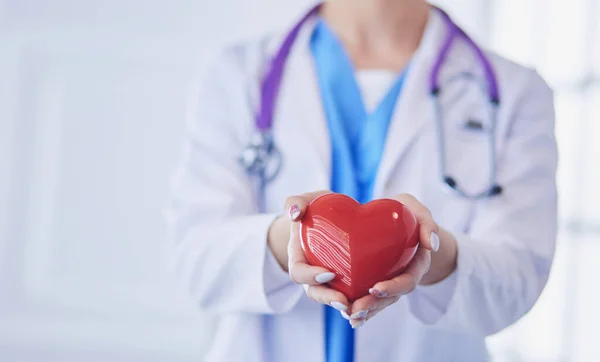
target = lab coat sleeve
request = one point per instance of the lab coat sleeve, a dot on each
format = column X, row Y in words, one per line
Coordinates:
column 218, row 239
column 504, row 261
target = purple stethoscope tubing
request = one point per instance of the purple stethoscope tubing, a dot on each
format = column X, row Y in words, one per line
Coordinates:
column 453, row 32
column 261, row 150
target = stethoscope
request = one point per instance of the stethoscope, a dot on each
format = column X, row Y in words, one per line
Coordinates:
column 261, row 158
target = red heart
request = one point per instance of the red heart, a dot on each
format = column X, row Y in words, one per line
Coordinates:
column 361, row 244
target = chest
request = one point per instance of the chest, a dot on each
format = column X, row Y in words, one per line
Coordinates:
column 455, row 149
column 462, row 135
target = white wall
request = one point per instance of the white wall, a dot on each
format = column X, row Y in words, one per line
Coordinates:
column 92, row 99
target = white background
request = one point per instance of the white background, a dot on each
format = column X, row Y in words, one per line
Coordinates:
column 92, row 100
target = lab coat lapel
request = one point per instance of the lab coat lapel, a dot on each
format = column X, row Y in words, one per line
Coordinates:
column 300, row 109
column 415, row 108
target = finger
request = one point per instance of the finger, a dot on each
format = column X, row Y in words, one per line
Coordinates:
column 325, row 295
column 408, row 280
column 363, row 306
column 428, row 234
column 428, row 228
column 384, row 303
column 374, row 312
column 357, row 323
column 296, row 205
column 300, row 271
column 380, row 305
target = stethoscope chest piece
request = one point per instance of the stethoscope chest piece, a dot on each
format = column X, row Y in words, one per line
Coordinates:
column 261, row 157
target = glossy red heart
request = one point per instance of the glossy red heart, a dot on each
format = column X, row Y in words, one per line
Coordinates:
column 361, row 244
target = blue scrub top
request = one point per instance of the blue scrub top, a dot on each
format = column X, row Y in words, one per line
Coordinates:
column 357, row 140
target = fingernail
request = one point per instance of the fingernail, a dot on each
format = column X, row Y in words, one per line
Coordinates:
column 435, row 241
column 339, row 306
column 359, row 315
column 377, row 293
column 324, row 277
column 345, row 315
column 358, row 325
column 294, row 212
column 305, row 286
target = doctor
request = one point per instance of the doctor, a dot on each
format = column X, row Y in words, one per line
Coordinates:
column 379, row 98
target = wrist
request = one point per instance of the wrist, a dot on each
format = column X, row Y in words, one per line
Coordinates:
column 278, row 238
column 444, row 261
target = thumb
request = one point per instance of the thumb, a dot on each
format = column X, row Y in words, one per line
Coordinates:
column 428, row 228
column 295, row 206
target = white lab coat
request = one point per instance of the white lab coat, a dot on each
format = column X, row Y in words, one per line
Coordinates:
column 505, row 244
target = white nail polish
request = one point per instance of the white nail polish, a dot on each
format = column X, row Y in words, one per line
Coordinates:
column 339, row 306
column 435, row 241
column 358, row 325
column 359, row 315
column 377, row 293
column 294, row 212
column 305, row 286
column 324, row 277
column 345, row 315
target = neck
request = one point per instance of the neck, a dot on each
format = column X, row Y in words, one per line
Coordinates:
column 378, row 33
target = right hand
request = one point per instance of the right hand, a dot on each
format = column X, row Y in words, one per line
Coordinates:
column 311, row 277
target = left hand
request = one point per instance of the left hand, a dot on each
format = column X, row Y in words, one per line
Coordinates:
column 386, row 293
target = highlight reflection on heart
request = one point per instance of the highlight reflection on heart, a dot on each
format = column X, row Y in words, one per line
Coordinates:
column 331, row 245
column 361, row 244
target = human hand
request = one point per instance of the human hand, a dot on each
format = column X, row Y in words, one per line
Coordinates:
column 424, row 268
column 311, row 277
column 386, row 293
